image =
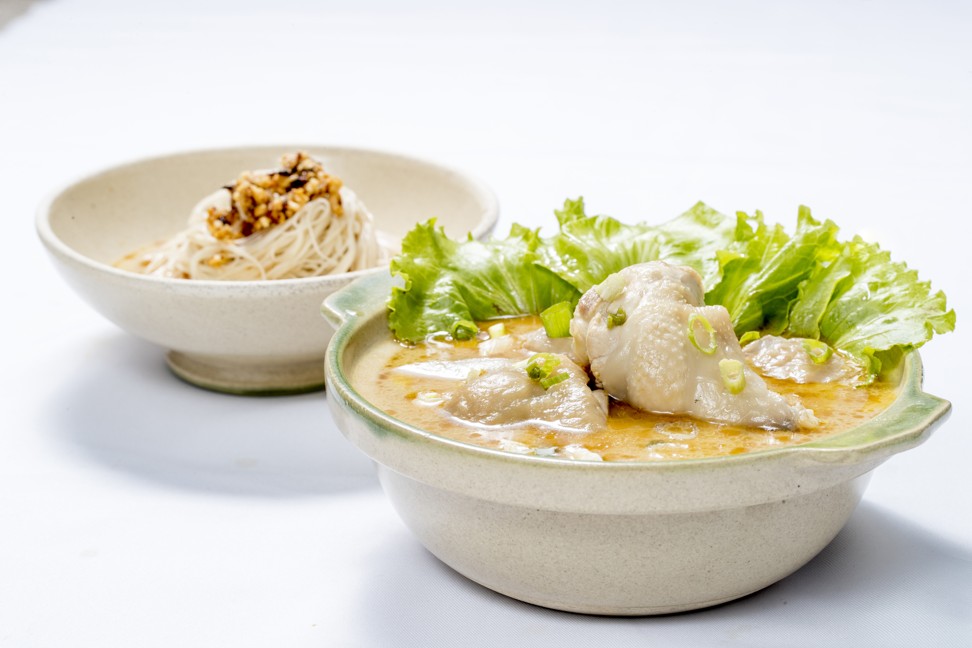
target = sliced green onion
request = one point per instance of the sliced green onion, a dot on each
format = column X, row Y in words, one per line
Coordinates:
column 553, row 379
column 464, row 330
column 541, row 365
column 733, row 375
column 611, row 287
column 496, row 330
column 818, row 351
column 747, row 337
column 556, row 320
column 710, row 346
column 616, row 318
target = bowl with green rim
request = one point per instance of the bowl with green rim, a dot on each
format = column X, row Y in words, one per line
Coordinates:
column 614, row 538
column 246, row 337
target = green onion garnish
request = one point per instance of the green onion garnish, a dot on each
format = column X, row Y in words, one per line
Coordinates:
column 464, row 330
column 611, row 287
column 747, row 337
column 616, row 318
column 818, row 351
column 710, row 346
column 541, row 365
column 553, row 379
column 733, row 375
column 556, row 320
column 496, row 330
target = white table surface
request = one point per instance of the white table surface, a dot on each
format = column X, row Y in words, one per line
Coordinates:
column 136, row 510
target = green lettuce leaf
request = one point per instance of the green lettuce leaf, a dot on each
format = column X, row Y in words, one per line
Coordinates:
column 815, row 294
column 877, row 310
column 763, row 268
column 849, row 294
column 446, row 281
column 589, row 248
column 695, row 239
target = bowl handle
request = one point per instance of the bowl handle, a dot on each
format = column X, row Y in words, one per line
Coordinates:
column 910, row 420
column 362, row 296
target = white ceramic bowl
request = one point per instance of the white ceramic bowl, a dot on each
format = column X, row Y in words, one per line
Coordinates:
column 612, row 538
column 242, row 337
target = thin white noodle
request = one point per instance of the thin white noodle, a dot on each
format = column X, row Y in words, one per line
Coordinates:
column 315, row 241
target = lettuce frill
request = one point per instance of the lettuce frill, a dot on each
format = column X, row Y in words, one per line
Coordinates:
column 810, row 284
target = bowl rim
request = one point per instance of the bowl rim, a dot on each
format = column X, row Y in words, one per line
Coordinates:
column 905, row 423
column 57, row 246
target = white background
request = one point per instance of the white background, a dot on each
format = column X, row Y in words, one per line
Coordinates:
column 136, row 510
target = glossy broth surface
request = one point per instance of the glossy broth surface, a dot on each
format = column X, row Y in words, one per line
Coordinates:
column 630, row 435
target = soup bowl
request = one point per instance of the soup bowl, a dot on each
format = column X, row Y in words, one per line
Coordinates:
column 235, row 336
column 616, row 538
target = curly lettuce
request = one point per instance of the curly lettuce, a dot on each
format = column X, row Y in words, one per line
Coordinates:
column 763, row 268
column 589, row 248
column 447, row 281
column 850, row 294
column 869, row 306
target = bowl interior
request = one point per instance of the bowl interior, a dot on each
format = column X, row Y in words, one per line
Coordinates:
column 358, row 312
column 108, row 215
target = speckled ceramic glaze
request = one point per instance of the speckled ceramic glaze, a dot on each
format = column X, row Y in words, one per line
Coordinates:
column 242, row 336
column 613, row 538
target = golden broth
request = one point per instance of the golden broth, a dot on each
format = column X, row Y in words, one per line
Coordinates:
column 630, row 435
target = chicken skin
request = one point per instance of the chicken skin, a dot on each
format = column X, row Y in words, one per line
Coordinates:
column 650, row 341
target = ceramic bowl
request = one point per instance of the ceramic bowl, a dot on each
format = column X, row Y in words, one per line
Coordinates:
column 612, row 538
column 240, row 336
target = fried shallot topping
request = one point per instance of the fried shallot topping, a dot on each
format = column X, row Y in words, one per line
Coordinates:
column 261, row 200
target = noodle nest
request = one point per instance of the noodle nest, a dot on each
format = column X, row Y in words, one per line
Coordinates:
column 324, row 237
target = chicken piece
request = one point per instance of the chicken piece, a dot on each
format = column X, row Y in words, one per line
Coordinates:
column 535, row 341
column 652, row 343
column 507, row 395
column 800, row 360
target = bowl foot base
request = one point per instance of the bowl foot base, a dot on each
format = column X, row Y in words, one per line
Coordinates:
column 234, row 377
column 621, row 611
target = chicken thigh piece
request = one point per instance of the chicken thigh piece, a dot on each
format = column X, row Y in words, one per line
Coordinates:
column 651, row 342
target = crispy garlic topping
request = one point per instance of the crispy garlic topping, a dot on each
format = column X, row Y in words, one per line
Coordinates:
column 261, row 200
